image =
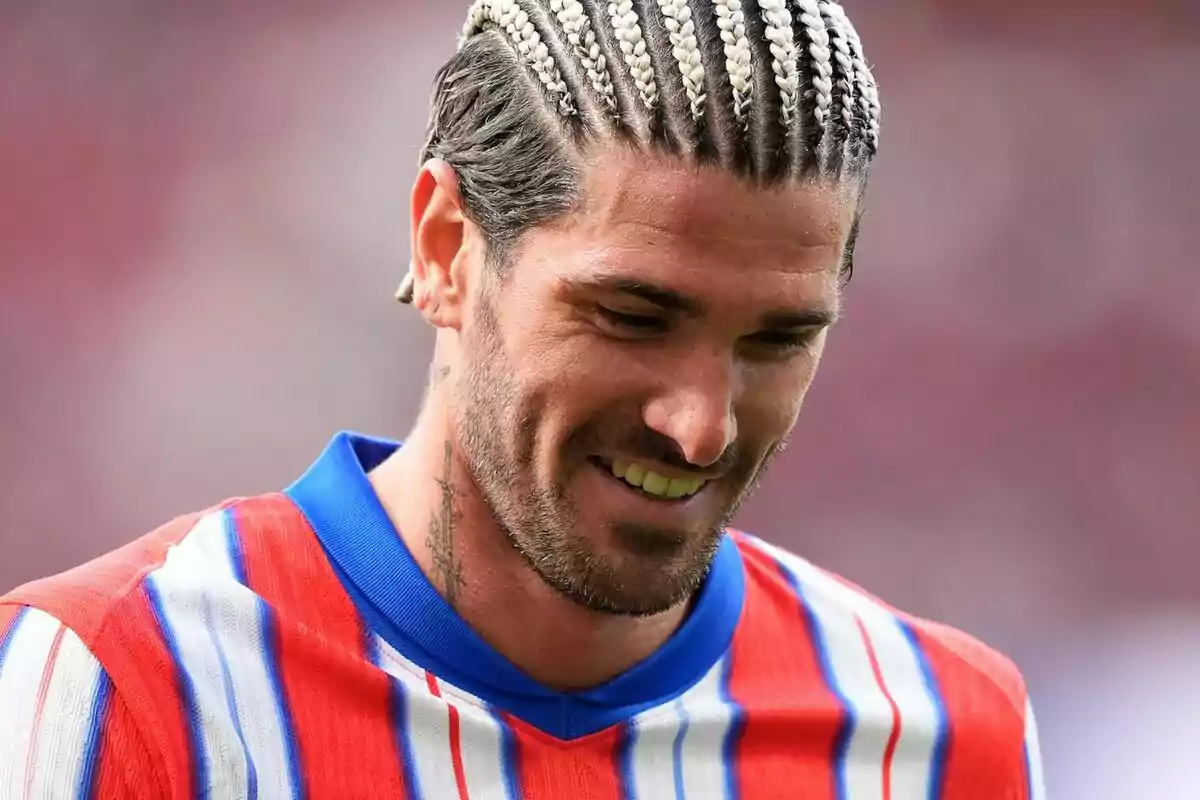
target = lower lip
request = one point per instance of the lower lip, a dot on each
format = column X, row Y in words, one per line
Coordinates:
column 642, row 503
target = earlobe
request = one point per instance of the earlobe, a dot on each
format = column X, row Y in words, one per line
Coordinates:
column 439, row 239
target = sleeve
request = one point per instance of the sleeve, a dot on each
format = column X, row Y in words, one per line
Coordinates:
column 1035, row 781
column 64, row 731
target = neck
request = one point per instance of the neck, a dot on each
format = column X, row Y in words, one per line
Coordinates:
column 435, row 505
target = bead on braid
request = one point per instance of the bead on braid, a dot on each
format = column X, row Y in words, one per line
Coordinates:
column 868, row 92
column 581, row 36
column 778, row 21
column 508, row 16
column 818, row 50
column 677, row 18
column 731, row 21
column 628, row 31
column 843, row 63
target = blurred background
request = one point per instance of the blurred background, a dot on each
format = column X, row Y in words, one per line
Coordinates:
column 203, row 219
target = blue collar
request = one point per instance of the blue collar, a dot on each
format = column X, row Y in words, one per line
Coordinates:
column 400, row 604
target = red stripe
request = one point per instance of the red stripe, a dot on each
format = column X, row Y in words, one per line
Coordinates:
column 40, row 704
column 336, row 698
column 791, row 718
column 984, row 699
column 460, row 772
column 8, row 620
column 889, row 754
column 136, row 657
column 551, row 769
column 124, row 768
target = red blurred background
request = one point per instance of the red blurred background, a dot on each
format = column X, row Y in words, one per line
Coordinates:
column 202, row 221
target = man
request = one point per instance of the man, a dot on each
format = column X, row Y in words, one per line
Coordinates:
column 630, row 229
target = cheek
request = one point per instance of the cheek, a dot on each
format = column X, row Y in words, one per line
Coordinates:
column 773, row 397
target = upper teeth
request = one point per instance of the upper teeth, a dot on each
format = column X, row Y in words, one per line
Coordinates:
column 651, row 482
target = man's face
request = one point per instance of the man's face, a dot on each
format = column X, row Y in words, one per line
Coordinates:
column 663, row 335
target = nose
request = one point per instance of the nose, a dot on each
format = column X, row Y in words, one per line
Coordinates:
column 695, row 410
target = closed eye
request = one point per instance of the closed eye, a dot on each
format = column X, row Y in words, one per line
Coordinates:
column 636, row 323
column 783, row 342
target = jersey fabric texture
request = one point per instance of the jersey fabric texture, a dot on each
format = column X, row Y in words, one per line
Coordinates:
column 289, row 646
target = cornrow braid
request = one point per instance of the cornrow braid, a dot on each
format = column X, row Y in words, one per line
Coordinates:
column 677, row 18
column 818, row 50
column 868, row 94
column 628, row 31
column 843, row 60
column 575, row 23
column 773, row 90
column 508, row 16
column 778, row 20
column 732, row 22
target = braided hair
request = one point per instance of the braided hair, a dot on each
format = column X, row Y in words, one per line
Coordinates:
column 773, row 90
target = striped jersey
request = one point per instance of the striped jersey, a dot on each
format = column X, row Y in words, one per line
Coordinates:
column 289, row 646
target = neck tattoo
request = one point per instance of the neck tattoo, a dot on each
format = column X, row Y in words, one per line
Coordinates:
column 446, row 566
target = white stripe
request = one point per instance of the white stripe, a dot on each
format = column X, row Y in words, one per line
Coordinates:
column 902, row 674
column 709, row 718
column 850, row 664
column 1033, row 750
column 61, row 750
column 185, row 585
column 653, row 753
column 238, row 623
column 480, row 737
column 24, row 665
column 701, row 761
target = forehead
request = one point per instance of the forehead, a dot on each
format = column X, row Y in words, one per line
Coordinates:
column 699, row 230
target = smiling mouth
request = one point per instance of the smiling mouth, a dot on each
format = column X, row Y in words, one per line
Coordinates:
column 649, row 483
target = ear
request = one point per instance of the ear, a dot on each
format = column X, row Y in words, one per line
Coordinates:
column 440, row 237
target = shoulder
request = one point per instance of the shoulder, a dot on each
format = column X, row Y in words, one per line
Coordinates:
column 94, row 655
column 95, row 598
column 868, row 647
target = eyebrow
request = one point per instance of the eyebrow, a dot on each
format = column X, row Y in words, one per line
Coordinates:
column 677, row 302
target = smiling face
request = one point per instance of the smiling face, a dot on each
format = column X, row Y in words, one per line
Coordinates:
column 663, row 336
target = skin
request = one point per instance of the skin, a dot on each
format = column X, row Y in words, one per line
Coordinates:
column 499, row 491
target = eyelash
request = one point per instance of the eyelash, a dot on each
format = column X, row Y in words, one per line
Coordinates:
column 638, row 323
column 643, row 324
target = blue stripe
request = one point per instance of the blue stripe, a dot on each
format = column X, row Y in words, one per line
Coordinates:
column 841, row 746
column 91, row 744
column 677, row 749
column 737, row 724
column 187, row 691
column 398, row 716
column 230, row 700
column 268, row 631
column 508, row 757
column 237, row 563
column 233, row 546
column 7, row 640
column 626, row 742
column 270, row 640
column 941, row 747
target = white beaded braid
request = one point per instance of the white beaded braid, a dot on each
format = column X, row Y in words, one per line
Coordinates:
column 868, row 91
column 582, row 38
column 732, row 23
column 843, row 61
column 818, row 49
column 628, row 31
column 778, row 20
column 677, row 18
column 508, row 16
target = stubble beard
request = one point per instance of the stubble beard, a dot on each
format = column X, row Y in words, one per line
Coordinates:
column 653, row 573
